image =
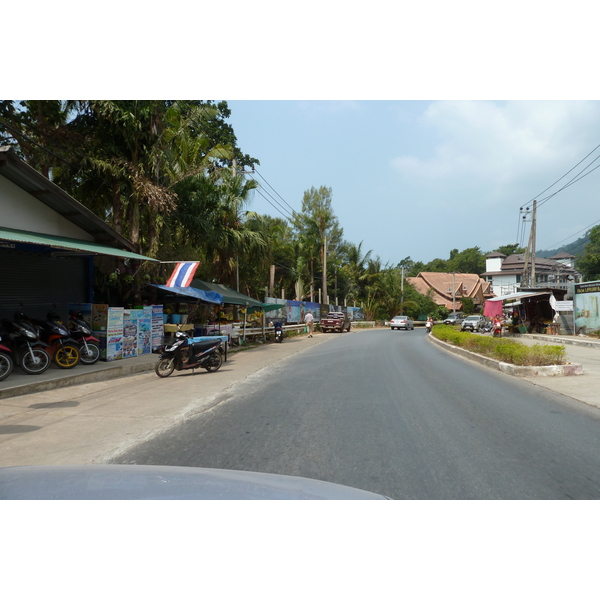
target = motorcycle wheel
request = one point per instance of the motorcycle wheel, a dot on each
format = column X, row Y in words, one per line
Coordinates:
column 6, row 366
column 165, row 366
column 36, row 364
column 67, row 356
column 89, row 356
column 214, row 364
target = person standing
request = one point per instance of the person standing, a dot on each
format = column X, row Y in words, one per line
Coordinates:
column 310, row 321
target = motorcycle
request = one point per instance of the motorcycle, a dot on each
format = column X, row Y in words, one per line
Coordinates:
column 6, row 361
column 28, row 350
column 63, row 349
column 184, row 354
column 428, row 326
column 279, row 333
column 89, row 351
column 497, row 329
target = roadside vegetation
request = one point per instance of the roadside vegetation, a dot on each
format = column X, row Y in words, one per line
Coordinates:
column 504, row 349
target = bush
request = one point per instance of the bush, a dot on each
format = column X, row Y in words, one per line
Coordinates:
column 503, row 349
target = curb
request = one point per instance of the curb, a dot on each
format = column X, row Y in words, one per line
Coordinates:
column 561, row 340
column 515, row 370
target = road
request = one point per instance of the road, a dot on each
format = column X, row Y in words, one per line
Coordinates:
column 390, row 413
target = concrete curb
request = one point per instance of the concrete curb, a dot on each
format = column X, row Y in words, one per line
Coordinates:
column 515, row 370
column 561, row 340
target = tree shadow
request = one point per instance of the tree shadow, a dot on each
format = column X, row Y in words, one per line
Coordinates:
column 8, row 429
column 69, row 404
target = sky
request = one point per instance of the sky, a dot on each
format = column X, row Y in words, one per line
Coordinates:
column 420, row 178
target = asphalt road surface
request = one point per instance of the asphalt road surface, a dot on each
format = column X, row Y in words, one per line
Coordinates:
column 386, row 411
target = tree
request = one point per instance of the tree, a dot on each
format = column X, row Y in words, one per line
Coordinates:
column 318, row 231
column 510, row 249
column 470, row 260
column 589, row 263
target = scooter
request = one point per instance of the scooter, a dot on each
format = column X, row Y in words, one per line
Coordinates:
column 6, row 361
column 28, row 350
column 89, row 351
column 63, row 349
column 428, row 326
column 497, row 329
column 279, row 333
column 205, row 355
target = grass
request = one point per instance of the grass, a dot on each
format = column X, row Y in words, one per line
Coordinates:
column 503, row 349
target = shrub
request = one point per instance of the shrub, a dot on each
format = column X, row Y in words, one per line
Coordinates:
column 503, row 349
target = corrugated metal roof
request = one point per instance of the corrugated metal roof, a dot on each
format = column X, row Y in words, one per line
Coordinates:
column 70, row 244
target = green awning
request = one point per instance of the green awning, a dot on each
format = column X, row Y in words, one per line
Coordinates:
column 229, row 296
column 63, row 243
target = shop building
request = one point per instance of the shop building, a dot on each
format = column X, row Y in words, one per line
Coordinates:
column 48, row 243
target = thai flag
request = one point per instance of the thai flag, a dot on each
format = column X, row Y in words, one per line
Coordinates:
column 183, row 274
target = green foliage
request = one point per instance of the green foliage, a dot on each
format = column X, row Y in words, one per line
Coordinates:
column 510, row 249
column 589, row 263
column 502, row 349
column 468, row 305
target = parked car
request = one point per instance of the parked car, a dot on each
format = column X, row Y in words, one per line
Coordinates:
column 473, row 323
column 402, row 322
column 453, row 319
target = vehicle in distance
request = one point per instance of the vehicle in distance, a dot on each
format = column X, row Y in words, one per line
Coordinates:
column 335, row 321
column 472, row 323
column 453, row 319
column 402, row 322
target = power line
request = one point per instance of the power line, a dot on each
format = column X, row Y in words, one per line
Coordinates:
column 288, row 216
column 536, row 197
column 293, row 211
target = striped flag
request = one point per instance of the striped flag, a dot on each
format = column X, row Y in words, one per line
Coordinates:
column 183, row 274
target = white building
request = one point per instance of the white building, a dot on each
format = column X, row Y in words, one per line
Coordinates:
column 506, row 272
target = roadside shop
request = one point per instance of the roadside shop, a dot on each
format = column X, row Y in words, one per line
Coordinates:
column 49, row 245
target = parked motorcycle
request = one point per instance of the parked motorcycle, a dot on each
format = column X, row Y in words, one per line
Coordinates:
column 279, row 333
column 6, row 361
column 184, row 354
column 81, row 332
column 63, row 349
column 28, row 351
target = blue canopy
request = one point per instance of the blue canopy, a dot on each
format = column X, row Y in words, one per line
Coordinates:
column 210, row 297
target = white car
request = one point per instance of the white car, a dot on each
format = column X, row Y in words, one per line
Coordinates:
column 402, row 322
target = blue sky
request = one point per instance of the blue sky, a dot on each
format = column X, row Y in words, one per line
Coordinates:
column 419, row 178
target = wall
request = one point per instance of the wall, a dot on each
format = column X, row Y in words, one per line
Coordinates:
column 21, row 210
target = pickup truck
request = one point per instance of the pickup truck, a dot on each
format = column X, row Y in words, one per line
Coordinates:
column 335, row 321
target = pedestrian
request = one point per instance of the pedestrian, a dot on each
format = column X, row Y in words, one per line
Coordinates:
column 310, row 321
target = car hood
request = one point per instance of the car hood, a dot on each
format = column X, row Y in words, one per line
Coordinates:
column 141, row 482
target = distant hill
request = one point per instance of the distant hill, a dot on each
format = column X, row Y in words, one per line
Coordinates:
column 575, row 248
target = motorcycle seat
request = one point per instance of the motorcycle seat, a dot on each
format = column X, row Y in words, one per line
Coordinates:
column 203, row 346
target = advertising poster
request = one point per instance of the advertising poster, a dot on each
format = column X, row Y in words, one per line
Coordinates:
column 587, row 306
column 114, row 333
column 158, row 327
column 144, row 345
column 130, row 332
column 99, row 317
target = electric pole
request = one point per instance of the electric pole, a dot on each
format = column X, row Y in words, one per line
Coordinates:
column 528, row 279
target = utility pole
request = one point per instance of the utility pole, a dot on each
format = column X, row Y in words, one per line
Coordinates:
column 324, row 287
column 402, row 290
column 528, row 279
column 453, row 294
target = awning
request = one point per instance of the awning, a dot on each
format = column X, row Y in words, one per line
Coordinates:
column 229, row 296
column 519, row 295
column 210, row 297
column 63, row 243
